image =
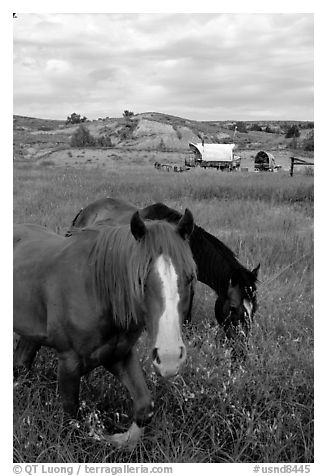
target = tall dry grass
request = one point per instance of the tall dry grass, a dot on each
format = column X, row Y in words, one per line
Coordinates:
column 259, row 411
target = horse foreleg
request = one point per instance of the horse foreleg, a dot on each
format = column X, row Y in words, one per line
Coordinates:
column 131, row 375
column 69, row 375
column 24, row 355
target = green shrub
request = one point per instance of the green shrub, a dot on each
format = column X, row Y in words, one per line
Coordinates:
column 82, row 138
column 292, row 131
column 127, row 129
column 308, row 143
column 104, row 141
column 255, row 127
column 241, row 127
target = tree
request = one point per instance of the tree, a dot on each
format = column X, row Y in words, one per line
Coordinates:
column 75, row 119
column 128, row 114
column 292, row 131
column 241, row 127
column 256, row 127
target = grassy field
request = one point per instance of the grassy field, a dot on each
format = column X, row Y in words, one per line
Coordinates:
column 260, row 411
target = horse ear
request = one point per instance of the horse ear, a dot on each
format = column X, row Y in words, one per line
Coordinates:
column 138, row 227
column 186, row 225
column 255, row 271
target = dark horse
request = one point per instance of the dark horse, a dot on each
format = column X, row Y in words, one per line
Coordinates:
column 91, row 296
column 217, row 265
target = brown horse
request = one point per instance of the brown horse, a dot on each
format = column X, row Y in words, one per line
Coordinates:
column 217, row 265
column 91, row 296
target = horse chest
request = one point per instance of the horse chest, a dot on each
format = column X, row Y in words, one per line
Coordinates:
column 113, row 350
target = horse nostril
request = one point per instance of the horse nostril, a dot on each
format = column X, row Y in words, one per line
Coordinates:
column 155, row 356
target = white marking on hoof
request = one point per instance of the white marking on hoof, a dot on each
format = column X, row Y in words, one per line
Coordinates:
column 128, row 440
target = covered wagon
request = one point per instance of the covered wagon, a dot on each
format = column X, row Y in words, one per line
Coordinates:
column 264, row 162
column 219, row 156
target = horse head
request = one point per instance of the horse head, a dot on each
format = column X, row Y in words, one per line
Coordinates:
column 167, row 288
column 239, row 304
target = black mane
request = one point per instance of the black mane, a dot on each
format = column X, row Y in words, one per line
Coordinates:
column 200, row 238
column 242, row 275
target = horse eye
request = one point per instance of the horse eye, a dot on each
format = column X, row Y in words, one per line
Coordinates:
column 250, row 292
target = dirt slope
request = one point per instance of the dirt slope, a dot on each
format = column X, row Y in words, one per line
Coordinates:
column 153, row 132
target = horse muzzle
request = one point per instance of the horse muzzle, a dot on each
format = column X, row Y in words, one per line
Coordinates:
column 168, row 364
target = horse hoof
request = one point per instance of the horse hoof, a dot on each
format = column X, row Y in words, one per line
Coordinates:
column 127, row 440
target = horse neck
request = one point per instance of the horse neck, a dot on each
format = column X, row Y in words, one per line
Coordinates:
column 116, row 269
column 213, row 268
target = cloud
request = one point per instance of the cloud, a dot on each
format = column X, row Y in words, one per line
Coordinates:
column 201, row 66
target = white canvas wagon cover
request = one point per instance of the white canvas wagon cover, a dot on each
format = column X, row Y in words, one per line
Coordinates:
column 214, row 152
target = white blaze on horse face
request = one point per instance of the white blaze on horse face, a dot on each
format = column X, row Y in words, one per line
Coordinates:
column 169, row 345
column 248, row 307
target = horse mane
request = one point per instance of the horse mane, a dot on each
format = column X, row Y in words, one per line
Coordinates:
column 120, row 265
column 240, row 273
column 160, row 211
column 199, row 238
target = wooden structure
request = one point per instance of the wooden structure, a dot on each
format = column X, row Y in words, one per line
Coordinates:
column 169, row 167
column 181, row 168
column 264, row 162
column 297, row 161
column 218, row 156
column 166, row 167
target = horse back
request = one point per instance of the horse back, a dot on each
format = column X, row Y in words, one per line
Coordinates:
column 54, row 299
column 113, row 211
column 33, row 246
column 24, row 232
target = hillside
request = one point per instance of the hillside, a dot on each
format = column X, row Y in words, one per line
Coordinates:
column 151, row 131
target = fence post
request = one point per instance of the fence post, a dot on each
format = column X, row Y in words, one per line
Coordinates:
column 292, row 166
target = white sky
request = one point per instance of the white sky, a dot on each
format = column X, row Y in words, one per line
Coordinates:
column 199, row 66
